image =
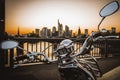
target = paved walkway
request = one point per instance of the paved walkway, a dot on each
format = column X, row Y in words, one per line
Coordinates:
column 50, row 71
column 111, row 75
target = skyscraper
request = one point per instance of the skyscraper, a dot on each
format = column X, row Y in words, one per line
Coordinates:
column 60, row 29
column 49, row 32
column 37, row 32
column 44, row 32
column 67, row 32
column 113, row 30
column 71, row 34
column 53, row 29
column 79, row 31
column 54, row 32
column 86, row 31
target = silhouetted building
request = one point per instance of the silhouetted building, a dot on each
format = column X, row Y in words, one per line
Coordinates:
column 49, row 33
column 54, row 32
column 45, row 33
column 60, row 29
column 37, row 31
column 71, row 35
column 86, row 31
column 113, row 30
column 54, row 29
column 67, row 32
column 74, row 35
column 79, row 31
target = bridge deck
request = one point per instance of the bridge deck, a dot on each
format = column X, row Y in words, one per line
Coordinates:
column 49, row 71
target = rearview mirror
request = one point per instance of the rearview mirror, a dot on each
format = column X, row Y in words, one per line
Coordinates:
column 109, row 9
column 8, row 44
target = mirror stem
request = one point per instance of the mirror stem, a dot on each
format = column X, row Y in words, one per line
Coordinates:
column 22, row 48
column 100, row 22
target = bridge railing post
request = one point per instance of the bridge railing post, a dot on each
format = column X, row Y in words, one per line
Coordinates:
column 106, row 48
column 11, row 58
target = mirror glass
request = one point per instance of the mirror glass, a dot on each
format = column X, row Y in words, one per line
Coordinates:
column 9, row 44
column 109, row 9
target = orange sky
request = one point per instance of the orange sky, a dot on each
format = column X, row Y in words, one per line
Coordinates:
column 31, row 14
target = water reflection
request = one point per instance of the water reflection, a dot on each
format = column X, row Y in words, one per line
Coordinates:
column 41, row 45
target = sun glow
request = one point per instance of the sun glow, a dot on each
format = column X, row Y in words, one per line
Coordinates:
column 45, row 13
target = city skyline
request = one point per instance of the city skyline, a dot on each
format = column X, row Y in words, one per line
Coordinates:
column 65, row 29
column 60, row 32
column 29, row 14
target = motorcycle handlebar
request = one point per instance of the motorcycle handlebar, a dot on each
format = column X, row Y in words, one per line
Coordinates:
column 20, row 58
column 27, row 56
column 33, row 54
column 85, row 45
column 46, row 58
column 104, row 37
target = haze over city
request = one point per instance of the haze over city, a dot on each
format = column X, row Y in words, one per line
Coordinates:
column 31, row 14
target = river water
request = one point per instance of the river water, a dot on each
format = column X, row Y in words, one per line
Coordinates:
column 41, row 45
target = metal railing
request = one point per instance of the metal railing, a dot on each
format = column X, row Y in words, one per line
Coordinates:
column 102, row 48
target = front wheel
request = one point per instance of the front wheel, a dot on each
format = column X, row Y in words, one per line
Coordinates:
column 74, row 74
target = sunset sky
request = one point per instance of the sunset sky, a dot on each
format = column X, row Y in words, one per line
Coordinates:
column 31, row 14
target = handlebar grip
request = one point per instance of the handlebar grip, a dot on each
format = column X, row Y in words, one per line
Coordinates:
column 21, row 58
column 104, row 37
column 111, row 36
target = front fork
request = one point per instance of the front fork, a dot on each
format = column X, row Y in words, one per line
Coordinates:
column 89, row 73
column 90, row 66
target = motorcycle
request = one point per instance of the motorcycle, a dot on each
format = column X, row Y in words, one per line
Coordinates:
column 69, row 65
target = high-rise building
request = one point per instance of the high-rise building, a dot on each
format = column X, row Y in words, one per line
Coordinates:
column 53, row 29
column 74, row 35
column 60, row 29
column 54, row 32
column 79, row 31
column 67, row 32
column 113, row 30
column 86, row 31
column 71, row 34
column 49, row 32
column 44, row 32
column 37, row 32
